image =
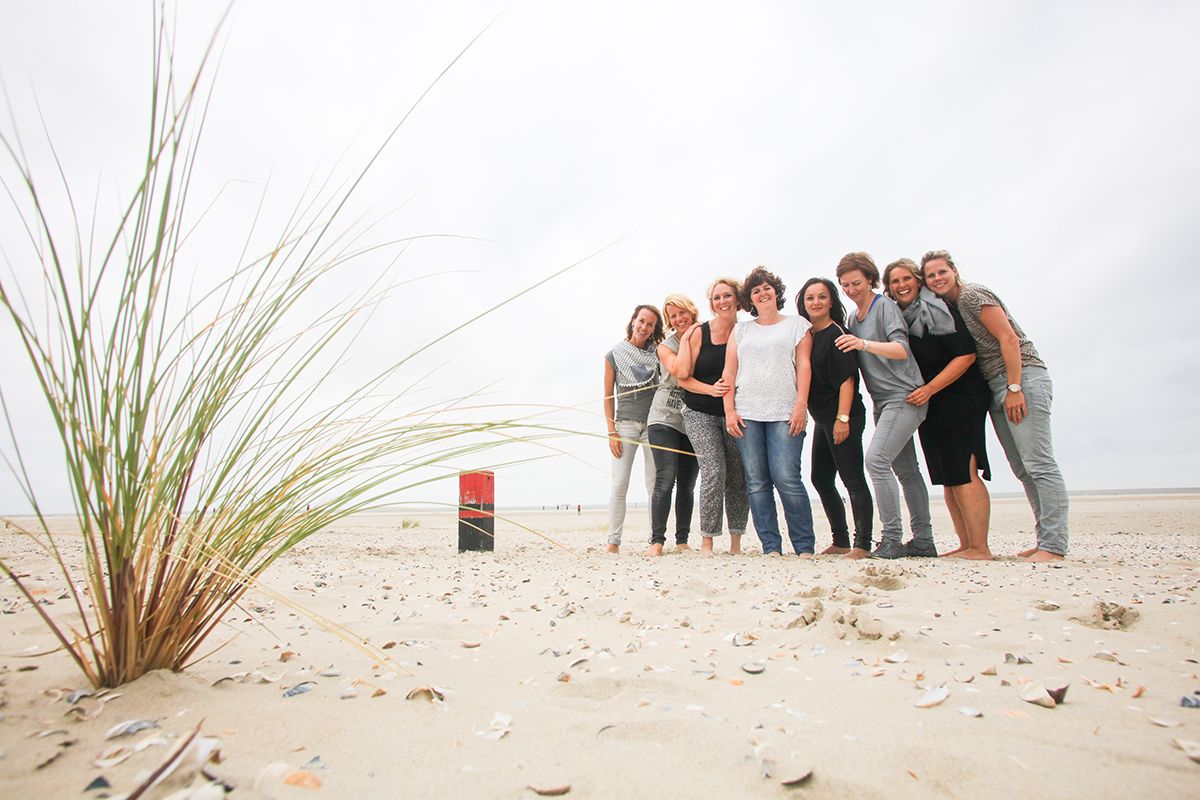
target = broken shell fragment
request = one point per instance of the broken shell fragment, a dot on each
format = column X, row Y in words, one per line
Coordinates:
column 1036, row 693
column 969, row 711
column 935, row 696
column 303, row 779
column 896, row 657
column 550, row 791
column 988, row 671
column 1059, row 693
column 129, row 727
column 1189, row 747
column 797, row 779
column 430, row 693
column 111, row 756
column 743, row 639
column 753, row 667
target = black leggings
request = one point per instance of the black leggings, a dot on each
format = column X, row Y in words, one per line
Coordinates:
column 674, row 470
column 845, row 459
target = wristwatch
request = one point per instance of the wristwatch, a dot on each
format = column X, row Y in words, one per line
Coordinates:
column 1014, row 387
column 843, row 418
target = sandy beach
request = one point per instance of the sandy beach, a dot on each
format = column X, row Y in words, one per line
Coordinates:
column 621, row 676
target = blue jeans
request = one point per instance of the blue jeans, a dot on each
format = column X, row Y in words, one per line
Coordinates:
column 771, row 460
column 1030, row 453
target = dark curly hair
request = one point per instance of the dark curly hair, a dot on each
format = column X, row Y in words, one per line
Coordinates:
column 757, row 277
column 655, row 337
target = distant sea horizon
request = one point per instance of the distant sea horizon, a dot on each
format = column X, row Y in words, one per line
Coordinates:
column 426, row 508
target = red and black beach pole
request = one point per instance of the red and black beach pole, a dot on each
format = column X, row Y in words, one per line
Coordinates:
column 476, row 511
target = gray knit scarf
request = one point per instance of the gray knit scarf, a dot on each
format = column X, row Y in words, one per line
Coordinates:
column 928, row 314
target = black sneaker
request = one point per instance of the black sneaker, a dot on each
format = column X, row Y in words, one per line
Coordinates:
column 889, row 550
column 920, row 549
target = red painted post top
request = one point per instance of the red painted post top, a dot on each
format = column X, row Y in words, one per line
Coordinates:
column 476, row 494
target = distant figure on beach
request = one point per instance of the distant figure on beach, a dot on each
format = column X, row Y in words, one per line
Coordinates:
column 702, row 358
column 631, row 374
column 839, row 419
column 879, row 333
column 766, row 411
column 1021, row 397
column 674, row 460
column 952, row 435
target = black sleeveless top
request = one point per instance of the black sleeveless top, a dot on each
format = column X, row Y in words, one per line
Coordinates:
column 710, row 364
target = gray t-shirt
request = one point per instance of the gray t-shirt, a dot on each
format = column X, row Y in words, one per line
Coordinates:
column 666, row 407
column 887, row 379
column 972, row 297
column 766, row 376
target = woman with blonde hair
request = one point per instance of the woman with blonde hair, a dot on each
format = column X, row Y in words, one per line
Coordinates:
column 702, row 359
column 1021, row 397
column 957, row 397
column 631, row 374
column 674, row 460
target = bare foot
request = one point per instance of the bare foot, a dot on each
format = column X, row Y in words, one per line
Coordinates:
column 857, row 552
column 971, row 554
column 834, row 550
column 805, row 555
column 773, row 554
column 682, row 548
column 706, row 547
column 735, row 544
column 613, row 548
column 1027, row 553
column 1040, row 556
column 655, row 550
column 954, row 552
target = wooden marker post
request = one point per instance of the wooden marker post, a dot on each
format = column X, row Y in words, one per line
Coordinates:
column 476, row 511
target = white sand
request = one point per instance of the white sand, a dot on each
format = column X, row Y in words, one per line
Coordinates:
column 657, row 704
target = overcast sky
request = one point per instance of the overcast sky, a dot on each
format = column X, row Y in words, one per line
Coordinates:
column 1050, row 146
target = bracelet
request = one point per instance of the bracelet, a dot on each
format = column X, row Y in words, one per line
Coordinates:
column 865, row 347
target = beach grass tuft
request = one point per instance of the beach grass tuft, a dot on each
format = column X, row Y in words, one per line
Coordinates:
column 193, row 452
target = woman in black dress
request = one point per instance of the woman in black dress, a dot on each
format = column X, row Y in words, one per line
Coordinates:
column 839, row 415
column 952, row 435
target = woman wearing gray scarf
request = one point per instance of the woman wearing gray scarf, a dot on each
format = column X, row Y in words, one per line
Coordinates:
column 952, row 435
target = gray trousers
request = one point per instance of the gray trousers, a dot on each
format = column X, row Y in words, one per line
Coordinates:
column 722, row 482
column 632, row 434
column 891, row 456
column 1030, row 453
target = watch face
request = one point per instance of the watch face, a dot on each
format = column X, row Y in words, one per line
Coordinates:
column 1014, row 387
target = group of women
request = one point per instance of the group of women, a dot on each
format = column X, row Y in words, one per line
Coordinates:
column 728, row 402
